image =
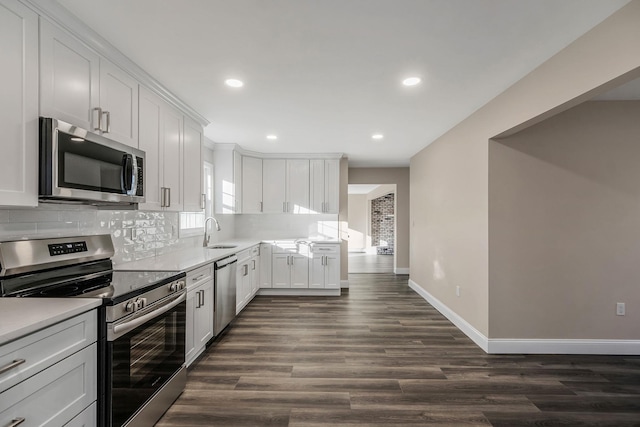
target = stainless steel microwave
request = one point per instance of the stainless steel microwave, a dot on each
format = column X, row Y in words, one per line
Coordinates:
column 79, row 166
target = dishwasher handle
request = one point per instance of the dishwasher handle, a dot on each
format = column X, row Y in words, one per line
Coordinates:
column 224, row 262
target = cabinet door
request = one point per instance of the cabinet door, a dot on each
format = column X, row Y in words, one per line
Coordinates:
column 18, row 105
column 151, row 143
column 273, row 185
column 299, row 271
column 281, row 271
column 332, row 272
column 297, row 190
column 316, row 271
column 265, row 265
column 255, row 275
column 251, row 185
column 172, row 126
column 119, row 103
column 331, row 185
column 204, row 316
column 69, row 78
column 316, row 187
column 192, row 187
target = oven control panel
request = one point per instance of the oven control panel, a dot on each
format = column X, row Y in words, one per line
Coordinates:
column 67, row 248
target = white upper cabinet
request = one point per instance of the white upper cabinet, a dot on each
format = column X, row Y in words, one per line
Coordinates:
column 251, row 185
column 119, row 102
column 274, row 178
column 325, row 185
column 161, row 138
column 192, row 190
column 79, row 87
column 151, row 143
column 172, row 159
column 285, row 185
column 297, row 188
column 18, row 105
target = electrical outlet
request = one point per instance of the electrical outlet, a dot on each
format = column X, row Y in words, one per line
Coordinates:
column 457, row 291
column 620, row 310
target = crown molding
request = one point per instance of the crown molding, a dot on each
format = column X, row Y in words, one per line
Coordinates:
column 57, row 14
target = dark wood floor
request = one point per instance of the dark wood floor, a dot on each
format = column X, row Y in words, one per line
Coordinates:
column 380, row 355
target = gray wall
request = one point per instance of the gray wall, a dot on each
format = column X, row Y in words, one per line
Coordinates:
column 450, row 177
column 564, row 226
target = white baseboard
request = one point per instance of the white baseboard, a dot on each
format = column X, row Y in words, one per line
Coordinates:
column 529, row 346
column 344, row 284
column 475, row 335
column 401, row 271
column 556, row 346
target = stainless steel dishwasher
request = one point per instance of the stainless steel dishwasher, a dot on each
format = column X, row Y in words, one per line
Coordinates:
column 225, row 293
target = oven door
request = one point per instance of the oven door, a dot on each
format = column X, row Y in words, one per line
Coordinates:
column 144, row 351
column 78, row 165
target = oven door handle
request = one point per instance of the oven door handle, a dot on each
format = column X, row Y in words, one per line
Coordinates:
column 123, row 328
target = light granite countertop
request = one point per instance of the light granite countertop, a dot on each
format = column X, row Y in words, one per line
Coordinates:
column 189, row 259
column 22, row 316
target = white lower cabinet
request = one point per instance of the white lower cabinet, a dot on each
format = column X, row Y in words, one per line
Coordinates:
column 290, row 270
column 324, row 266
column 247, row 277
column 57, row 382
column 200, row 300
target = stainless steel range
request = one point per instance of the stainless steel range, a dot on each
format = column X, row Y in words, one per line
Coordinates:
column 141, row 345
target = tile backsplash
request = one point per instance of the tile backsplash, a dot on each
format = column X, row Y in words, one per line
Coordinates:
column 141, row 234
column 136, row 234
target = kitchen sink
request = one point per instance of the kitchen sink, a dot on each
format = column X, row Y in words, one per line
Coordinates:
column 222, row 246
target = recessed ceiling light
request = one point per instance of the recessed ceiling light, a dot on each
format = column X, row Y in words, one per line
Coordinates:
column 377, row 136
column 411, row 81
column 272, row 137
column 234, row 83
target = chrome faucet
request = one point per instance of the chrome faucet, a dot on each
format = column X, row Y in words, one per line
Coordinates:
column 206, row 237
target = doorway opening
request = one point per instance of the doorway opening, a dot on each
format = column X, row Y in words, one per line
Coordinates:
column 372, row 228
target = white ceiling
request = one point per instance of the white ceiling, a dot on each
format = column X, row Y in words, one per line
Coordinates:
column 324, row 75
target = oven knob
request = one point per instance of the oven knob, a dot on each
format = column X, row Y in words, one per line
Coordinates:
column 181, row 284
column 140, row 303
column 130, row 307
column 173, row 287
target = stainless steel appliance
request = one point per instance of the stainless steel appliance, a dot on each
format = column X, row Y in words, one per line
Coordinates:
column 142, row 320
column 80, row 166
column 225, row 292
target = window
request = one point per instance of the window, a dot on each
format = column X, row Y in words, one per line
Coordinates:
column 192, row 223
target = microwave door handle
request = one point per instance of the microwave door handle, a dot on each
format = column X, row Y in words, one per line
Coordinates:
column 127, row 173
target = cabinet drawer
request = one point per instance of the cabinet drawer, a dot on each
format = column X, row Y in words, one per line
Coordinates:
column 54, row 396
column 199, row 275
column 324, row 249
column 46, row 347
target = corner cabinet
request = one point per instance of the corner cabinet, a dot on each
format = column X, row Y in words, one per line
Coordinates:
column 161, row 137
column 19, row 105
column 81, row 88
